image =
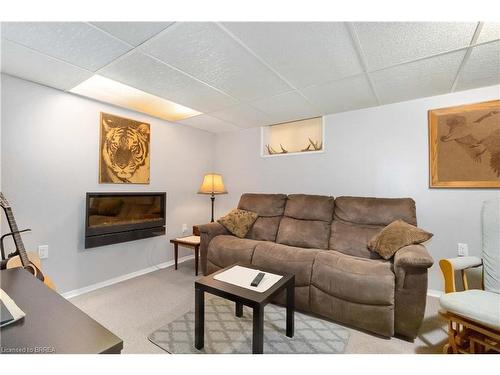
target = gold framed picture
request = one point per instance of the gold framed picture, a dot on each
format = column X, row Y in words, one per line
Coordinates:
column 464, row 146
column 124, row 150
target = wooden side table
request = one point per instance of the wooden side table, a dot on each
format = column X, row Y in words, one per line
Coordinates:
column 192, row 242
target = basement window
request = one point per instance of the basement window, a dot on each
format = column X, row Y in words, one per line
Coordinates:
column 293, row 138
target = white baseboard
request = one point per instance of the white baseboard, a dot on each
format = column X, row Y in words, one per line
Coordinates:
column 434, row 293
column 114, row 280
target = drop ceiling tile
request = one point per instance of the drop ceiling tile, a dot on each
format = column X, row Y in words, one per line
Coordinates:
column 243, row 116
column 286, row 107
column 428, row 77
column 25, row 63
column 205, row 51
column 150, row 75
column 305, row 53
column 388, row 43
column 134, row 33
column 490, row 31
column 75, row 42
column 209, row 123
column 340, row 96
column 482, row 68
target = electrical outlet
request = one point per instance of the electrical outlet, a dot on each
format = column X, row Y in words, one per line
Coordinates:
column 43, row 251
column 463, row 250
column 184, row 228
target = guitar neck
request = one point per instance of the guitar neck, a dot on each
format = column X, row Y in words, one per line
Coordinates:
column 16, row 236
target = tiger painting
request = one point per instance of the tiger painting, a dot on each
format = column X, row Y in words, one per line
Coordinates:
column 124, row 151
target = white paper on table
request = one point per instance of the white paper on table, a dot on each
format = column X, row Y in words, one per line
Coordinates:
column 243, row 276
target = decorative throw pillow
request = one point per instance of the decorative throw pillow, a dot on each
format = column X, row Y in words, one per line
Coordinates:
column 238, row 222
column 395, row 236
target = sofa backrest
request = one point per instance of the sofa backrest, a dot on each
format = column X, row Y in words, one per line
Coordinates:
column 306, row 221
column 357, row 219
column 270, row 208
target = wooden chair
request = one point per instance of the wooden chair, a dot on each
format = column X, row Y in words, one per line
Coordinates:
column 474, row 314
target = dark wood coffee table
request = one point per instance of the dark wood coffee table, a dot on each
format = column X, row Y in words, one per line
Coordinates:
column 242, row 296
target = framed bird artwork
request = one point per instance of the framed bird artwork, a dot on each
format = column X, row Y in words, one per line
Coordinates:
column 464, row 146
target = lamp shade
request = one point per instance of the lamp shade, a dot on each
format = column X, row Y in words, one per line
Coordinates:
column 212, row 184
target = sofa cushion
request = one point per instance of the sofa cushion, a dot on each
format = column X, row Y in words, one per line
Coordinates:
column 227, row 250
column 310, row 207
column 303, row 233
column 264, row 229
column 282, row 258
column 356, row 220
column 364, row 281
column 374, row 318
column 375, row 211
column 265, row 205
column 352, row 239
column 307, row 221
column 238, row 222
column 270, row 208
column 287, row 259
column 396, row 235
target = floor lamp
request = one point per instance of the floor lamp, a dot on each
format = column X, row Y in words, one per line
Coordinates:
column 212, row 185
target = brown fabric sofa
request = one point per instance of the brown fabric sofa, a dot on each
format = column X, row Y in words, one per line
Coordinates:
column 323, row 241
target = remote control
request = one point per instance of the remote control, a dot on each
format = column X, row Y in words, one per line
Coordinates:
column 258, row 279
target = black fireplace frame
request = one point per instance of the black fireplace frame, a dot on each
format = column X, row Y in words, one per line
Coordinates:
column 119, row 233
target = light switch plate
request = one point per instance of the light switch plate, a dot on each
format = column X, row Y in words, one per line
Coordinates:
column 184, row 228
column 43, row 251
column 463, row 249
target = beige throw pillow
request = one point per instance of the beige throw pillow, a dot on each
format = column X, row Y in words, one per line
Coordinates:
column 396, row 235
column 238, row 222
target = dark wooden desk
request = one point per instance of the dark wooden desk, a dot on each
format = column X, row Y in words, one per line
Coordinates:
column 52, row 324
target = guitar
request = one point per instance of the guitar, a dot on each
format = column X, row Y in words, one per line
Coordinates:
column 29, row 261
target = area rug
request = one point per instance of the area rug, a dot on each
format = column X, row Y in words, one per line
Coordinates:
column 225, row 333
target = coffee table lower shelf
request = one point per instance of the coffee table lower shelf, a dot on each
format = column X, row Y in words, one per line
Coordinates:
column 244, row 297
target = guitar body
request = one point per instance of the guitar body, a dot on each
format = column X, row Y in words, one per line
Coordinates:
column 34, row 267
column 29, row 261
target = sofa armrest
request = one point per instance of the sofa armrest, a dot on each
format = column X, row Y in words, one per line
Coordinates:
column 410, row 269
column 207, row 233
column 413, row 256
column 209, row 228
column 409, row 260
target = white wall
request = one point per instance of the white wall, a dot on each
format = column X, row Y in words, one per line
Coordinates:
column 49, row 153
column 380, row 151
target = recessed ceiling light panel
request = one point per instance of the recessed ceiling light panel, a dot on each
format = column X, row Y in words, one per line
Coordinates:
column 112, row 92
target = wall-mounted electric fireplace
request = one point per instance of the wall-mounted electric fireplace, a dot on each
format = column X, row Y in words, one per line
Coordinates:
column 120, row 217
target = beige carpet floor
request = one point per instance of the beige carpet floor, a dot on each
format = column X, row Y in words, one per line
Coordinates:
column 134, row 308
